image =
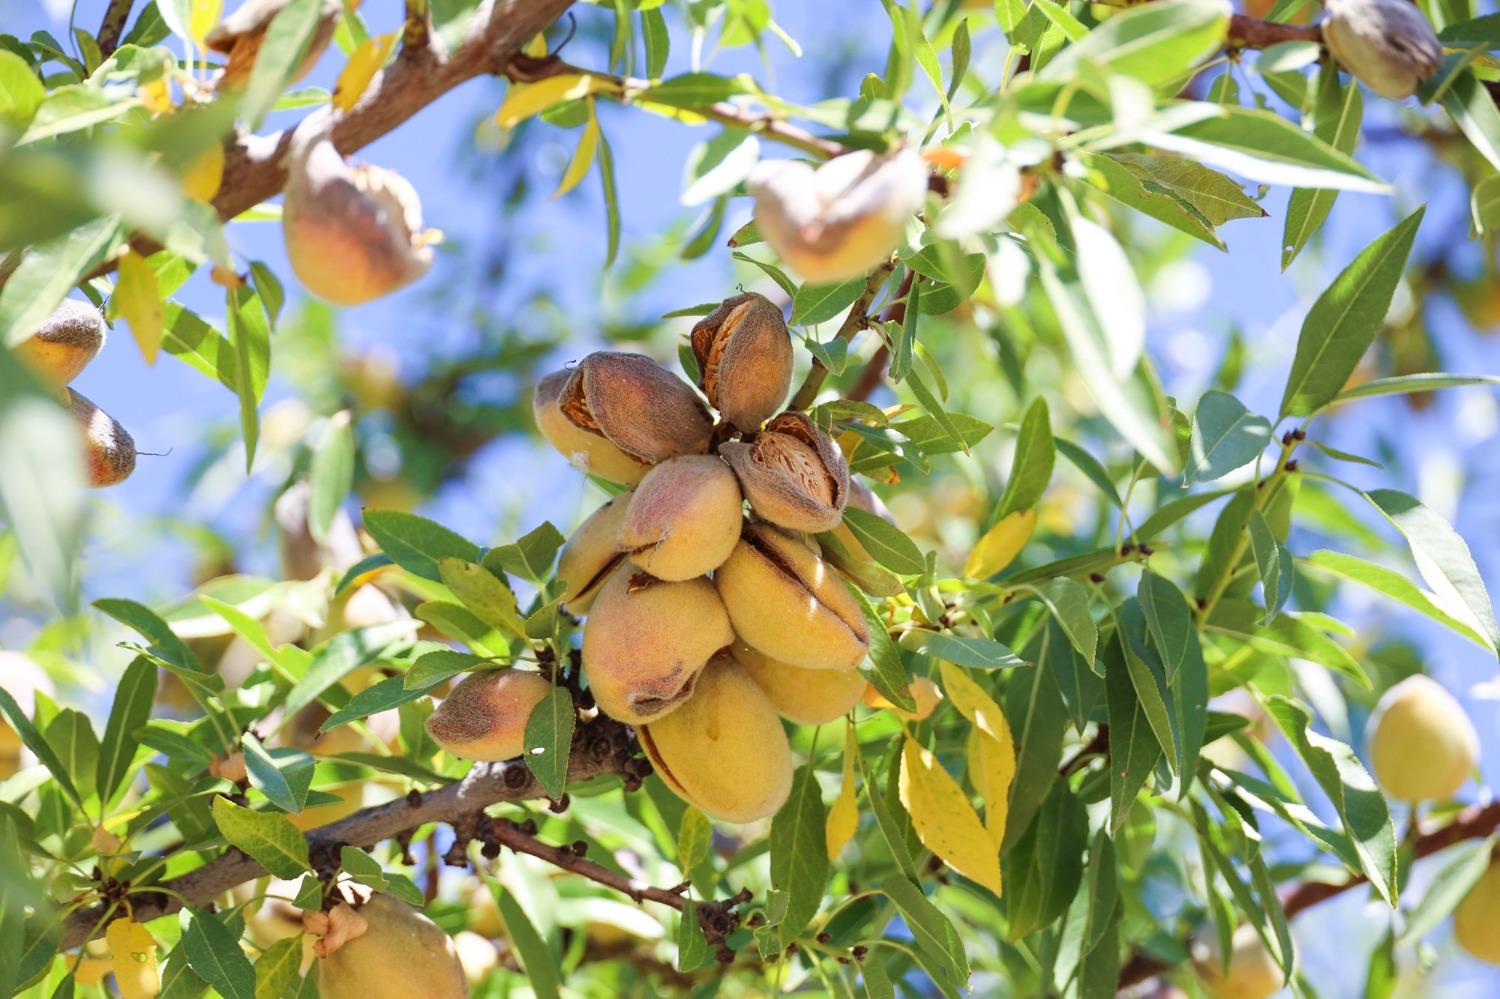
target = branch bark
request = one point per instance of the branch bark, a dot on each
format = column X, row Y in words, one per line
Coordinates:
column 113, row 26
column 601, row 747
column 1473, row 823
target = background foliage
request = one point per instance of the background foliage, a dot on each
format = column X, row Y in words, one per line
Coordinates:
column 1032, row 383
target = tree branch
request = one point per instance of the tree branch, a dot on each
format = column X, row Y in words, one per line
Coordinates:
column 1253, row 33
column 253, row 167
column 1472, row 823
column 418, row 31
column 857, row 320
column 600, row 747
column 113, row 26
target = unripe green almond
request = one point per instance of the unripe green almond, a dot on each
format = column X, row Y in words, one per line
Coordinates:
column 1422, row 745
column 587, row 450
column 789, row 604
column 1476, row 921
column 484, row 717
column 592, row 554
column 1389, row 45
column 1252, row 972
column 804, row 696
column 401, row 953
column 108, row 449
column 646, row 641
column 638, row 405
column 792, row 474
column 60, row 349
column 842, row 220
column 744, row 355
column 684, row 518
column 724, row 751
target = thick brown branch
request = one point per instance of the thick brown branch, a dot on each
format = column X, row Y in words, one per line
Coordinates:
column 1471, row 824
column 253, row 169
column 600, row 747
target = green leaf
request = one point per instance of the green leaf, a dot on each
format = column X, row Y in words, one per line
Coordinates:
column 531, row 556
column 1263, row 146
column 33, row 740
column 1442, row 558
column 893, row 830
column 281, row 53
column 1466, row 864
column 277, row 968
column 549, row 736
column 611, row 201
column 1128, row 404
column 1403, row 384
column 692, row 90
column 250, row 335
column 1134, row 750
column 1169, row 619
column 341, row 655
column 1155, row 43
column 1068, row 601
column 332, row 475
column 416, row 543
column 1469, row 104
column 131, row 710
column 1226, row 436
column 799, row 857
column 658, row 42
column 432, row 668
column 283, row 775
column 269, row 839
column 1038, row 719
column 885, row 543
column 1274, row 563
column 392, row 692
column 164, row 642
column 45, row 274
column 692, row 945
column 215, row 955
column 816, row 303
column 1031, row 465
column 21, row 93
column 1044, row 867
column 1207, row 192
column 962, row 650
column 1391, row 584
column 1342, row 324
column 72, row 738
column 1133, row 190
column 883, row 666
column 1355, row 797
column 936, row 938
column 536, row 957
column 488, row 597
column 1336, row 120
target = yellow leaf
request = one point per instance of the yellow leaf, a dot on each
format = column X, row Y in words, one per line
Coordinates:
column 843, row 816
column 992, row 751
column 583, row 156
column 204, row 173
column 523, row 100
column 1000, row 544
column 132, row 953
column 537, row 47
column 137, row 300
column 157, row 96
column 202, row 16
column 945, row 821
column 364, row 62
column 682, row 115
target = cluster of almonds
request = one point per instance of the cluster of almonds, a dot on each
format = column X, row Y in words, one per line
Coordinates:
column 703, row 623
column 57, row 353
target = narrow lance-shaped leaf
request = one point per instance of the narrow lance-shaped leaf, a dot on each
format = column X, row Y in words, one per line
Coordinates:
column 1342, row 324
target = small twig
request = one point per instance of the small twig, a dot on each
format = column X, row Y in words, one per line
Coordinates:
column 515, row 836
column 871, row 375
column 1253, row 33
column 857, row 320
column 113, row 26
column 418, row 32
